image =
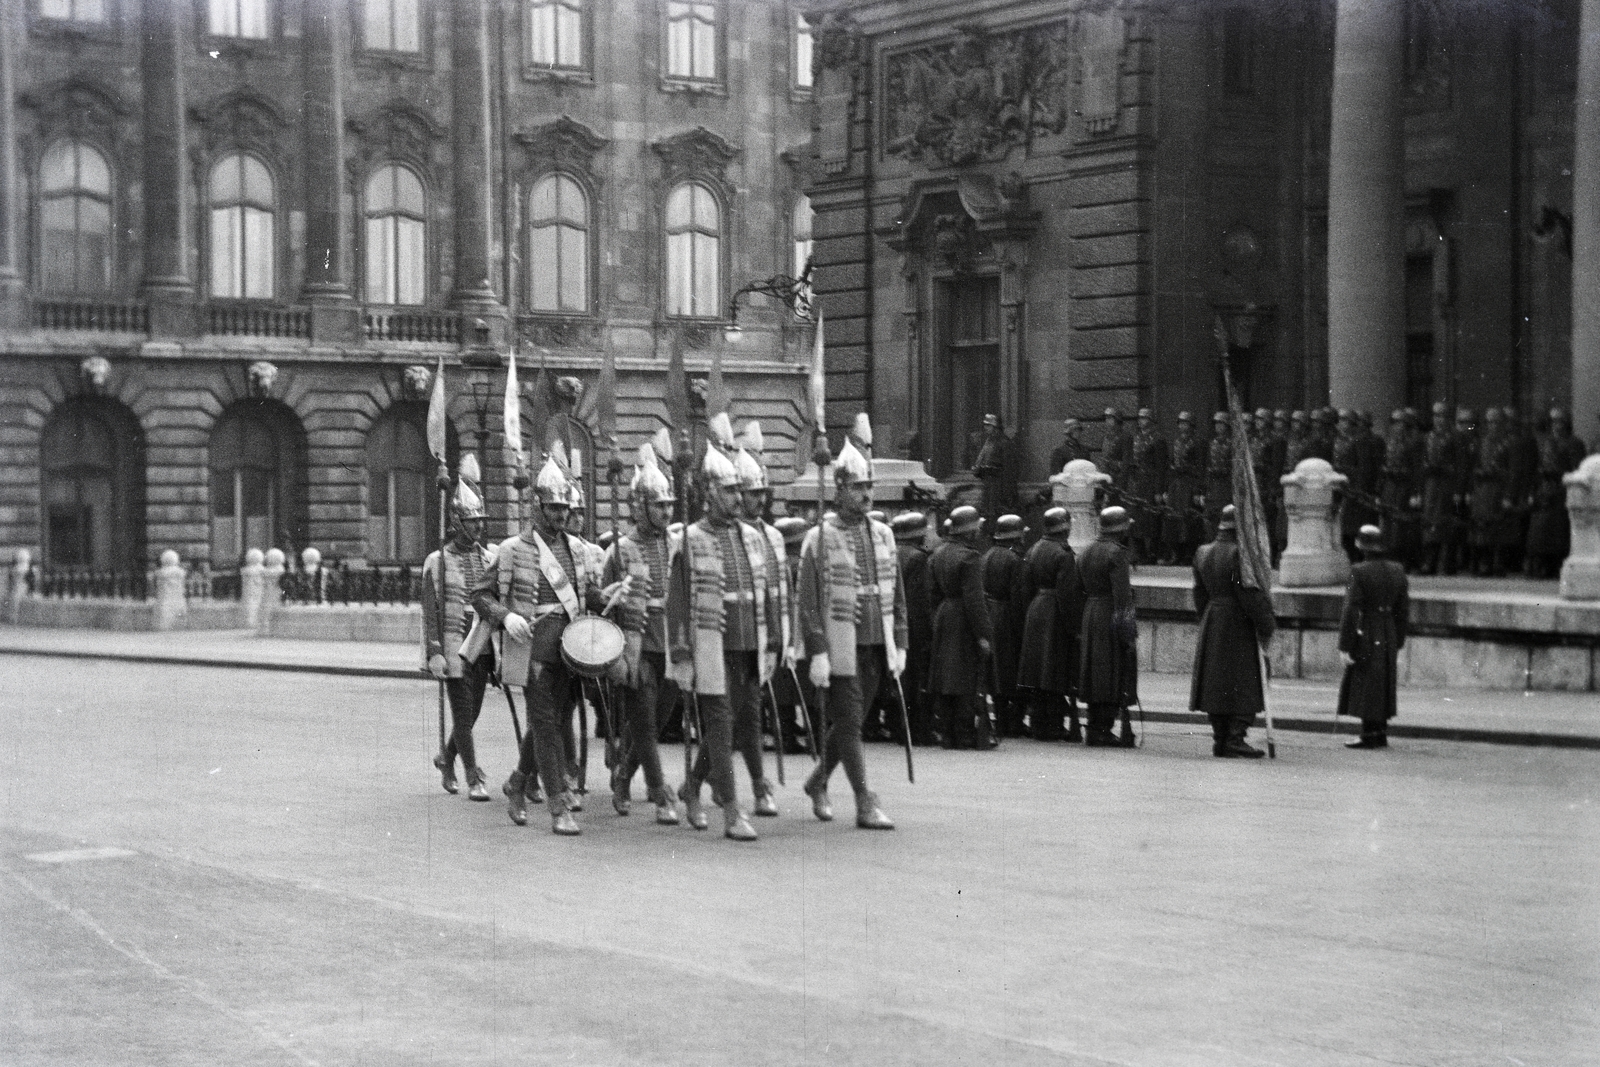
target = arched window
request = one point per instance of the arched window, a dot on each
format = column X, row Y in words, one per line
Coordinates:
column 694, row 252
column 74, row 219
column 257, row 454
column 91, row 461
column 402, row 506
column 397, row 251
column 558, row 245
column 243, row 236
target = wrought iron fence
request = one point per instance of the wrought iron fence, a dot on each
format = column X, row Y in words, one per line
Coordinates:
column 341, row 584
column 82, row 583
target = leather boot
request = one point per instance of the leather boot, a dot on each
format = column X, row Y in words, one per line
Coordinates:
column 1127, row 740
column 1219, row 736
column 447, row 772
column 477, row 784
column 818, row 792
column 621, row 793
column 869, row 816
column 574, row 794
column 694, row 811
column 1237, row 747
column 517, row 800
column 766, row 806
column 735, row 827
column 666, row 810
column 1074, row 731
column 561, row 820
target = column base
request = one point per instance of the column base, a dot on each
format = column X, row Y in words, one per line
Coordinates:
column 1580, row 579
column 335, row 321
column 174, row 313
column 14, row 309
column 1299, row 571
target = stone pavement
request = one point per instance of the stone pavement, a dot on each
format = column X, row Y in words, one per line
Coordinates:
column 1543, row 718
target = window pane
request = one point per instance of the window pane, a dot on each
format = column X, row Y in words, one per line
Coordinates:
column 407, row 191
column 569, row 35
column 255, row 487
column 379, row 261
column 226, row 180
column 679, row 54
column 227, row 239
column 256, row 181
column 94, row 175
column 543, row 268
column 707, row 275
column 375, row 24
column 223, row 18
column 572, row 205
column 705, row 49
column 57, row 232
column 678, row 206
column 802, row 52
column 410, row 262
column 380, row 191
column 705, row 210
column 542, row 201
column 94, row 246
column 55, row 9
column 542, row 34
column 258, row 282
column 56, row 169
column 680, row 270
column 574, row 269
column 222, row 493
column 407, row 26
column 252, row 18
column 407, row 491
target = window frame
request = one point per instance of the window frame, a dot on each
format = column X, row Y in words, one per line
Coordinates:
column 369, row 55
column 717, row 83
column 105, row 29
column 532, row 69
column 797, row 62
column 207, row 40
column 364, row 245
column 207, row 209
column 591, row 245
column 38, row 196
column 720, row 298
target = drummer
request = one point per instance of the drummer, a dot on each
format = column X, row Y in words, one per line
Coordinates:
column 578, row 526
column 718, row 633
column 648, row 696
column 757, row 496
column 538, row 581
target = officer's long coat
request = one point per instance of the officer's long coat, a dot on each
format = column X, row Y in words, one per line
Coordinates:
column 1372, row 629
column 960, row 619
column 1234, row 621
column 1108, row 667
column 1007, row 599
column 1055, row 611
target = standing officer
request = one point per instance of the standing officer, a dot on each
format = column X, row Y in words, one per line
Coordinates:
column 1049, row 667
column 1234, row 622
column 1116, row 452
column 1438, row 494
column 853, row 620
column 1372, row 631
column 648, row 696
column 1399, row 487
column 1353, row 513
column 962, row 634
column 757, row 496
column 1108, row 664
column 1219, row 470
column 911, row 535
column 1007, row 601
column 1549, row 530
column 1150, row 463
column 1185, row 486
column 990, row 455
column 465, row 558
column 537, row 582
column 1491, row 488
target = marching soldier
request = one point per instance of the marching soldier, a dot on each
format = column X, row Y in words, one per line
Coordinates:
column 1049, row 667
column 648, row 696
column 1007, row 600
column 720, row 638
column 853, row 620
column 464, row 558
column 1116, row 452
column 1549, row 530
column 1219, row 470
column 791, row 691
column 537, row 582
column 911, row 535
column 1234, row 622
column 1108, row 662
column 962, row 635
column 594, row 558
column 1150, row 462
column 1372, row 631
column 1184, row 488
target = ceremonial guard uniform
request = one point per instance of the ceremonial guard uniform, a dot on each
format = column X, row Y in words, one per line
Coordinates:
column 853, row 622
column 1007, row 598
column 790, row 689
column 1549, row 529
column 1235, row 621
column 537, row 582
column 720, row 639
column 1219, row 470
column 1372, row 631
column 1150, row 464
column 1116, row 453
column 648, row 695
column 1491, row 489
column 571, row 723
column 1184, row 484
column 963, row 638
column 1049, row 668
column 1108, row 664
column 753, row 488
column 445, row 625
column 910, row 535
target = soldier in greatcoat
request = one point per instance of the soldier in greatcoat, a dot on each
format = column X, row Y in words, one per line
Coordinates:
column 1521, row 485
column 853, row 622
column 1274, row 443
column 1108, row 662
column 445, row 625
column 1440, row 494
column 539, row 581
column 1549, row 529
column 911, row 536
column 1007, row 599
column 1150, row 463
column 991, row 456
column 1235, row 621
column 1353, row 512
column 1219, row 470
column 1070, row 447
column 1372, row 631
column 1185, row 491
column 1491, row 495
column 1048, row 671
column 1400, row 486
column 962, row 633
column 1116, row 453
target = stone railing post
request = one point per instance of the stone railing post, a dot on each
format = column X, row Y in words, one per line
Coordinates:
column 172, row 603
column 17, row 584
column 311, row 567
column 1313, row 555
column 1580, row 574
column 252, row 587
column 271, row 584
column 1077, row 488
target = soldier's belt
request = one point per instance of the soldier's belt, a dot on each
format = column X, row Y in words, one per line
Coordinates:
column 656, row 602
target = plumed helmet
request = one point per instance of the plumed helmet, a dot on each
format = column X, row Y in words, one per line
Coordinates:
column 551, row 484
column 850, row 467
column 719, row 469
column 1009, row 528
column 468, row 502
column 861, row 431
column 1114, row 520
column 574, row 494
column 752, row 473
column 721, row 430
column 649, row 484
column 909, row 525
column 1057, row 520
column 963, row 520
column 661, row 441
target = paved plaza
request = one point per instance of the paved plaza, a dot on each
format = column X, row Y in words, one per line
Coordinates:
column 206, row 866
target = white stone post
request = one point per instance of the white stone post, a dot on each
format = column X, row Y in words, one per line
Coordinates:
column 1313, row 555
column 172, row 603
column 1580, row 574
column 271, row 584
column 18, row 585
column 1076, row 488
column 252, row 587
column 311, row 566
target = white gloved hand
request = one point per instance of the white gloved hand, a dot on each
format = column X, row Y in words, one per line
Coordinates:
column 517, row 627
column 789, row 657
column 436, row 666
column 897, row 662
column 821, row 670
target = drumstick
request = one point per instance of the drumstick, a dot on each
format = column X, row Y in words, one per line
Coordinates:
column 621, row 590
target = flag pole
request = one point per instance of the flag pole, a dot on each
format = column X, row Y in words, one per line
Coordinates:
column 437, row 444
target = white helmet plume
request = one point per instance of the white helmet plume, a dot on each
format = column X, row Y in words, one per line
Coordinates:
column 862, row 432
column 750, row 438
column 719, row 469
column 648, row 481
column 721, row 430
column 662, row 440
column 851, row 467
column 551, row 485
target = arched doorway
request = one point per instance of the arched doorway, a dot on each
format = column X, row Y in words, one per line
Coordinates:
column 402, row 498
column 258, row 464
column 92, row 469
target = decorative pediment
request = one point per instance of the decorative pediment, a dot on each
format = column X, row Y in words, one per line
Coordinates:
column 564, row 144
column 697, row 153
column 75, row 108
column 240, row 119
column 396, row 130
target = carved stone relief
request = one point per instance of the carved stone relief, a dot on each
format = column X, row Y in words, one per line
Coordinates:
column 697, row 153
column 395, row 131
column 564, row 144
column 239, row 120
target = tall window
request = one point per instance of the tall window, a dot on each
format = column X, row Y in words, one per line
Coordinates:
column 242, row 231
column 555, row 33
column 73, row 10
column 392, row 25
column 694, row 252
column 74, row 219
column 396, row 238
column 802, row 52
column 399, row 480
column 237, row 18
column 558, row 245
column 966, row 382
column 692, row 39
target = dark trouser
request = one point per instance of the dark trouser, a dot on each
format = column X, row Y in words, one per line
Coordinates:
column 718, row 715
column 846, row 700
column 646, row 707
column 964, row 720
column 1048, row 711
column 466, row 701
column 1225, row 728
column 543, row 753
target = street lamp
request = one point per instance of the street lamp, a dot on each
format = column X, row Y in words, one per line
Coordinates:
column 785, row 288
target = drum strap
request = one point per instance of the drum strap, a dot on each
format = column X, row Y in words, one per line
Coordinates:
column 553, row 573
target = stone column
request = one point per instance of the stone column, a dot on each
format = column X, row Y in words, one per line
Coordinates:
column 472, row 164
column 1313, row 555
column 13, row 309
column 334, row 316
column 167, row 285
column 1580, row 574
column 1366, row 210
column 1586, row 231
column 1077, row 488
column 172, row 603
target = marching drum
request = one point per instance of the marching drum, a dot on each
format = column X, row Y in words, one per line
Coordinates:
column 590, row 645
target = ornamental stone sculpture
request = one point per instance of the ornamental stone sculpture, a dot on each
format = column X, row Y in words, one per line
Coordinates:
column 416, row 381
column 95, row 372
column 1313, row 555
column 1580, row 574
column 1077, row 488
column 263, row 376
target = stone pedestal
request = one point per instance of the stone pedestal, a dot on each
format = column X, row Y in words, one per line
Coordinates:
column 1580, row 574
column 271, row 585
column 1313, row 555
column 172, row 603
column 252, row 587
column 1077, row 488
